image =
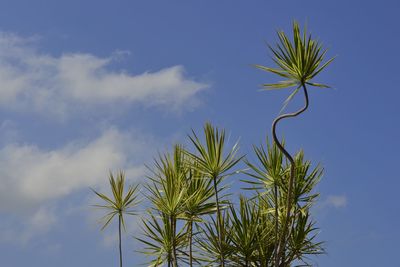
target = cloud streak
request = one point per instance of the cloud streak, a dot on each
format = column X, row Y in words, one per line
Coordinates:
column 59, row 85
column 30, row 176
column 34, row 181
column 337, row 201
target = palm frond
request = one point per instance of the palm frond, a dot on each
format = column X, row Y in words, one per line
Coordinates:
column 298, row 60
column 119, row 203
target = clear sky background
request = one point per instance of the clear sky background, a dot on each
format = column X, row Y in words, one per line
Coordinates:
column 92, row 86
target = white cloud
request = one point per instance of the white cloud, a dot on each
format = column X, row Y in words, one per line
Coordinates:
column 337, row 201
column 30, row 176
column 31, row 179
column 58, row 85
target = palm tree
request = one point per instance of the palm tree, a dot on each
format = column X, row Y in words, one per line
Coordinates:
column 118, row 204
column 161, row 240
column 298, row 62
column 302, row 233
column 199, row 196
column 268, row 176
column 265, row 238
column 216, row 245
column 214, row 163
column 168, row 192
column 245, row 232
column 268, row 179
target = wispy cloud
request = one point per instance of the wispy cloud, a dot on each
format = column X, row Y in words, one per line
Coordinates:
column 31, row 176
column 59, row 85
column 71, row 84
column 337, row 201
column 22, row 229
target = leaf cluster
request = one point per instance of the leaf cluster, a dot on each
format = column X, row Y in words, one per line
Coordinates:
column 118, row 203
column 298, row 61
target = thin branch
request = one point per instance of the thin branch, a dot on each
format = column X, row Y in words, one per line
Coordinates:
column 282, row 241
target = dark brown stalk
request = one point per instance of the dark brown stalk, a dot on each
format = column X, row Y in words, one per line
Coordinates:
column 191, row 243
column 173, row 225
column 120, row 241
column 282, row 242
column 276, row 219
column 219, row 223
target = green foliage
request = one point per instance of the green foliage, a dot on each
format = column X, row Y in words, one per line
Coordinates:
column 270, row 180
column 212, row 161
column 118, row 204
column 245, row 232
column 199, row 202
column 180, row 194
column 269, row 173
column 199, row 195
column 215, row 242
column 168, row 187
column 167, row 194
column 298, row 61
column 191, row 221
column 161, row 240
column 210, row 157
column 266, row 238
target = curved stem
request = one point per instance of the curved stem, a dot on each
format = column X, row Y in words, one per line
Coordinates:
column 282, row 241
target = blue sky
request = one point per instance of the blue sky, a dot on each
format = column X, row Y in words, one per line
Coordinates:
column 89, row 86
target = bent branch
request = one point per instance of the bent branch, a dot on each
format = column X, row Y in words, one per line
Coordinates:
column 279, row 250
